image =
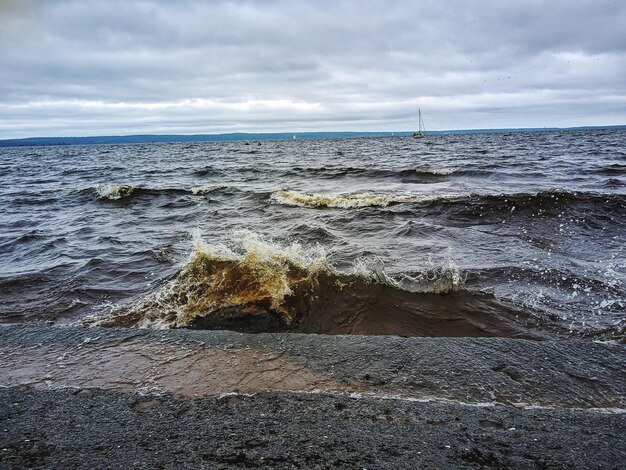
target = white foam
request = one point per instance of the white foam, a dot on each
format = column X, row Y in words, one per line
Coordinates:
column 114, row 191
column 436, row 171
column 345, row 201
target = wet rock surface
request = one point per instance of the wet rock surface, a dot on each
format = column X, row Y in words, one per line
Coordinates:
column 66, row 429
column 91, row 397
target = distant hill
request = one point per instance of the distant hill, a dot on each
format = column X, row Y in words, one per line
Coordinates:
column 525, row 129
column 163, row 138
column 149, row 138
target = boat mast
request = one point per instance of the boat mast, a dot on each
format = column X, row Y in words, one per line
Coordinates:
column 420, row 122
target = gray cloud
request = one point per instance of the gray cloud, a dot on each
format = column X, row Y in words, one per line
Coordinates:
column 91, row 67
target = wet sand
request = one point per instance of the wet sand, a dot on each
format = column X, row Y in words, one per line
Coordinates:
column 100, row 397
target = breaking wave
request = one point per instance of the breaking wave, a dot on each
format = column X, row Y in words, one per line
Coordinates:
column 256, row 284
column 345, row 201
column 114, row 191
column 432, row 171
column 256, row 277
column 498, row 201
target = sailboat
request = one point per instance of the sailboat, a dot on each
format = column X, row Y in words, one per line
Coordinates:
column 420, row 125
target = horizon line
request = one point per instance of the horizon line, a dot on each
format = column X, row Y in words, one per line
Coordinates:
column 235, row 136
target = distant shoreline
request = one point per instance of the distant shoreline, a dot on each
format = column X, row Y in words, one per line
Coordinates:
column 232, row 137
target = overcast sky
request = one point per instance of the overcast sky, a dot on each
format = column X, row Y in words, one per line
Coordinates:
column 103, row 67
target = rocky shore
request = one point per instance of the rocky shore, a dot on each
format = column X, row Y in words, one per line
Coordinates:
column 94, row 397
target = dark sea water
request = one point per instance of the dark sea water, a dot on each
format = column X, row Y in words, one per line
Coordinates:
column 518, row 234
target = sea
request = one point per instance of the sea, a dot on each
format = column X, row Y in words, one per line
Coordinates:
column 517, row 234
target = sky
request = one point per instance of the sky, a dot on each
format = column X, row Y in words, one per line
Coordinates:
column 94, row 67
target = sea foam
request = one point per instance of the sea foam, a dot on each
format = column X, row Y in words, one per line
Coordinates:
column 345, row 201
column 113, row 191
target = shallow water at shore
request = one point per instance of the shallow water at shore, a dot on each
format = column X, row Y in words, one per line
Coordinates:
column 455, row 235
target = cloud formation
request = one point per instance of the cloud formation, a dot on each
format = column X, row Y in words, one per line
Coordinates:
column 87, row 67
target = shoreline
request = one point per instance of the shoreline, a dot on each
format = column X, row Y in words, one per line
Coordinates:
column 70, row 393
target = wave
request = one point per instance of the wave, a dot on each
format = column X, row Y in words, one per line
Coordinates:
column 88, row 170
column 332, row 173
column 345, row 201
column 544, row 200
column 617, row 169
column 430, row 171
column 208, row 171
column 554, row 199
column 115, row 192
column 410, row 173
column 200, row 191
column 257, row 277
column 417, row 175
column 255, row 284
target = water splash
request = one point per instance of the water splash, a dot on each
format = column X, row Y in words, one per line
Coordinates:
column 253, row 277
